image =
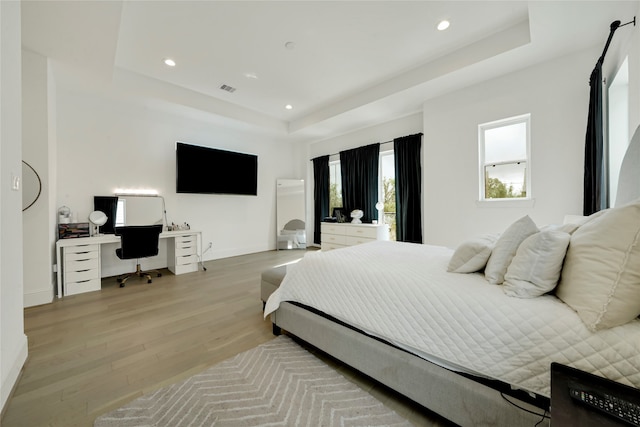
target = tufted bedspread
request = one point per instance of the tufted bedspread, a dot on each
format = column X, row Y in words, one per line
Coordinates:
column 401, row 292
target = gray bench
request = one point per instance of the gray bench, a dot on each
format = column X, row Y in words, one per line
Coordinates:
column 270, row 280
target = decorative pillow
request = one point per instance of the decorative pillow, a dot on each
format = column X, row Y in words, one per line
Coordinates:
column 506, row 247
column 535, row 270
column 472, row 255
column 601, row 274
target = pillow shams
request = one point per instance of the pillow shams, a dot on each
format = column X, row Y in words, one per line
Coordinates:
column 506, row 247
column 601, row 273
column 535, row 269
column 472, row 255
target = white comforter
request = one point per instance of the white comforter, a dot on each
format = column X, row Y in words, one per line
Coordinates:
column 402, row 292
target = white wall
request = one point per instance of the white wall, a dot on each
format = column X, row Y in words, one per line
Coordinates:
column 13, row 342
column 106, row 143
column 38, row 228
column 556, row 94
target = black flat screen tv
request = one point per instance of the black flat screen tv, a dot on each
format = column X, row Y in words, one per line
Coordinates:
column 206, row 170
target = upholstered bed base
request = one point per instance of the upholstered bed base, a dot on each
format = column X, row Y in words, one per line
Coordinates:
column 457, row 398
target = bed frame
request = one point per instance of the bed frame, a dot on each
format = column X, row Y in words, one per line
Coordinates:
column 458, row 398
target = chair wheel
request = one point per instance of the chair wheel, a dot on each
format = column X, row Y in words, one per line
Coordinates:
column 149, row 281
column 119, row 280
column 121, row 284
column 159, row 274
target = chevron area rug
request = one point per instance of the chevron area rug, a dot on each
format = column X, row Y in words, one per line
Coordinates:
column 275, row 384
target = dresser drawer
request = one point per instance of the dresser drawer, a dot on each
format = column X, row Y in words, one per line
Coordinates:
column 78, row 287
column 331, row 228
column 329, row 246
column 334, row 239
column 354, row 240
column 363, row 231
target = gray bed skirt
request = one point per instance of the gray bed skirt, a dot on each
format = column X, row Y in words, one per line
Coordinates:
column 455, row 397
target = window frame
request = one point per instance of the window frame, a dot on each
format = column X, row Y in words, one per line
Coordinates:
column 482, row 164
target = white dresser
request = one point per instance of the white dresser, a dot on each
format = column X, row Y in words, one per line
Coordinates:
column 339, row 235
column 182, row 255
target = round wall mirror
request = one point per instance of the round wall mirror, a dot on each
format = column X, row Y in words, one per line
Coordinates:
column 31, row 186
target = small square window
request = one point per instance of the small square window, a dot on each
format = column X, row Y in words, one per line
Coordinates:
column 504, row 159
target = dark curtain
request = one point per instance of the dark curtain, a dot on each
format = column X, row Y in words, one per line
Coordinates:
column 360, row 180
column 595, row 197
column 596, row 194
column 320, row 194
column 108, row 205
column 408, row 188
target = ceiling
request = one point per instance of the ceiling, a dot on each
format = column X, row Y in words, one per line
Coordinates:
column 342, row 65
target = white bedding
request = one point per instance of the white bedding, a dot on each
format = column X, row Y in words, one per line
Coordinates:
column 402, row 292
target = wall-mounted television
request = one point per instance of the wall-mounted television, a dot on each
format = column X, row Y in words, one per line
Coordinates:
column 206, row 170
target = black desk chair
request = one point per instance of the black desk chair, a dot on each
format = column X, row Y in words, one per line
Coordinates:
column 138, row 241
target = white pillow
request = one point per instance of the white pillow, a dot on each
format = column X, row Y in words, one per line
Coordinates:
column 472, row 255
column 601, row 274
column 535, row 270
column 506, row 247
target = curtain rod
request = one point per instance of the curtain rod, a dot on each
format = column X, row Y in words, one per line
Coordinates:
column 612, row 29
column 381, row 143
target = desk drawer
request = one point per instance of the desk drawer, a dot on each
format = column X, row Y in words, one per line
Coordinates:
column 185, row 249
column 187, row 240
column 186, row 259
column 81, row 249
column 79, row 276
column 81, row 265
column 78, row 287
column 185, row 268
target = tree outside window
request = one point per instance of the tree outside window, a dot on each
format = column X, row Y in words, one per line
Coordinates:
column 504, row 159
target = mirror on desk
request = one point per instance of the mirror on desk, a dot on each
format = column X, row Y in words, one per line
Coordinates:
column 139, row 210
column 129, row 210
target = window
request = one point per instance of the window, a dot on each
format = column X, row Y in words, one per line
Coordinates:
column 335, row 185
column 504, row 159
column 388, row 190
column 618, row 126
column 121, row 212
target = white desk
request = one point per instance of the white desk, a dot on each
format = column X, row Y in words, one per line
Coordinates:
column 78, row 259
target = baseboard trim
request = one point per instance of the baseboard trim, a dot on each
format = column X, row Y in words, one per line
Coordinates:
column 9, row 385
column 41, row 297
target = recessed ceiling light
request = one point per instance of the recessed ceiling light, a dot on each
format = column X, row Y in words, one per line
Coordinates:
column 443, row 25
column 253, row 76
column 169, row 62
column 289, row 107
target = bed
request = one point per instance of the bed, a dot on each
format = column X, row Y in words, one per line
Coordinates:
column 470, row 332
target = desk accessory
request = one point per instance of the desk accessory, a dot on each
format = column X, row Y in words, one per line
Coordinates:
column 73, row 230
column 98, row 219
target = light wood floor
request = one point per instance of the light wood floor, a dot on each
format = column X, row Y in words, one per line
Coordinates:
column 91, row 353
